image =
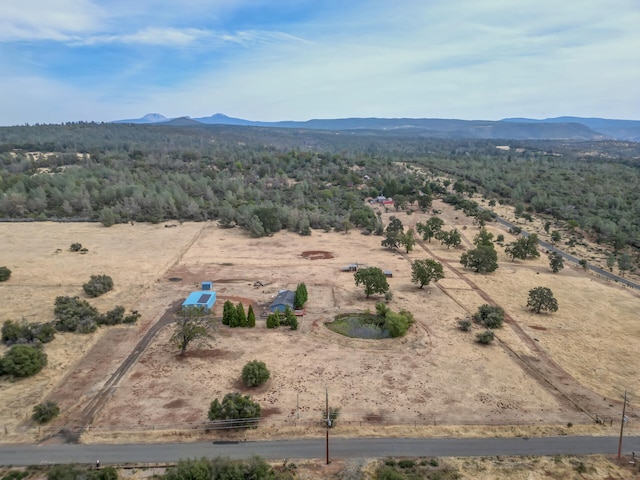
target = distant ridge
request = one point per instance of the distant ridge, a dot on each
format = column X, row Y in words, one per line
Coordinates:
column 560, row 128
column 619, row 129
column 148, row 118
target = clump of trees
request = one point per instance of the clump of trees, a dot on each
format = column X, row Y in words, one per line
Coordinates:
column 425, row 271
column 373, row 280
column 235, row 316
column 98, row 285
column 45, row 412
column 489, row 316
column 192, row 326
column 23, row 361
column 235, row 411
column 286, row 318
column 5, row 274
column 75, row 315
column 255, row 373
column 430, row 228
column 541, row 299
column 24, row 332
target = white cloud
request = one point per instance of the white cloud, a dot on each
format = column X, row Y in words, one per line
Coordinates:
column 57, row 20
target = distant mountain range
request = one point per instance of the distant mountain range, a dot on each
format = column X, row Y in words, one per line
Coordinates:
column 560, row 128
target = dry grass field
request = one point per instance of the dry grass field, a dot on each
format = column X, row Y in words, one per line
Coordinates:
column 543, row 372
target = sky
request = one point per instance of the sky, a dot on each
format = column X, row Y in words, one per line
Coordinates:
column 270, row 60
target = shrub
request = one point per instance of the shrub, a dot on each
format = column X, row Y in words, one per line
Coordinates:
column 397, row 323
column 24, row 332
column 75, row 247
column 255, row 373
column 132, row 317
column 464, row 325
column 112, row 317
column 5, row 274
column 489, row 316
column 23, row 361
column 485, row 337
column 43, row 412
column 238, row 407
column 98, row 285
column 406, row 463
column 293, row 323
column 70, row 311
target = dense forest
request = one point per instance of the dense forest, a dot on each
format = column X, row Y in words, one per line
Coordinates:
column 267, row 179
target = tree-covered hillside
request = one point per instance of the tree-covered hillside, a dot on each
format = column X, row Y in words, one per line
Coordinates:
column 265, row 179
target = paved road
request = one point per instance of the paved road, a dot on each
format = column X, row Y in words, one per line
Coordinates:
column 313, row 448
column 571, row 258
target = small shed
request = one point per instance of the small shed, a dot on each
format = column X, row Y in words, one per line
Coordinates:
column 284, row 299
column 204, row 298
column 207, row 286
column 388, row 273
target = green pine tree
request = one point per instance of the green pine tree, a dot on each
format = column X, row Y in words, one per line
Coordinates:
column 242, row 317
column 251, row 317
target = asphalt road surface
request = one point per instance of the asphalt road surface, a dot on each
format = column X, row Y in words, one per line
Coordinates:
column 313, row 448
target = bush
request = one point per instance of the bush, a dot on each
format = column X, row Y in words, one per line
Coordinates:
column 78, row 472
column 43, row 412
column 23, row 361
column 24, row 332
column 70, row 311
column 75, row 247
column 238, row 407
column 5, row 274
column 255, row 373
column 397, row 323
column 406, row 463
column 489, row 316
column 464, row 325
column 293, row 323
column 98, row 285
column 485, row 337
column 221, row 468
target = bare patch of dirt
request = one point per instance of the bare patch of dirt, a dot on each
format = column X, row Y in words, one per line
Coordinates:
column 317, row 255
column 538, row 327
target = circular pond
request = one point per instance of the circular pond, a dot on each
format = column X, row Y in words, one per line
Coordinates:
column 359, row 325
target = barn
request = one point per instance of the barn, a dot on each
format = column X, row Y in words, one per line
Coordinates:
column 284, row 299
column 203, row 298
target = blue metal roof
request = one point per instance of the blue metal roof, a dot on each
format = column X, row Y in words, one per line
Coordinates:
column 204, row 299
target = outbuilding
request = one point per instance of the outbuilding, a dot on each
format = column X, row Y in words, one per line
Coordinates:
column 204, row 298
column 284, row 299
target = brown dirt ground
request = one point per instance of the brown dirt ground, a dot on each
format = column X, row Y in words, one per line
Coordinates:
column 531, row 379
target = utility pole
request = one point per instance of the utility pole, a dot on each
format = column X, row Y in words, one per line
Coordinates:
column 624, row 406
column 328, row 422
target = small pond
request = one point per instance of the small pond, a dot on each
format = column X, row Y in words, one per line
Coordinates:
column 359, row 325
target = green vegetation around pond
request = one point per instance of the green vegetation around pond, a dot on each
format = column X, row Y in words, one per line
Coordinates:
column 382, row 324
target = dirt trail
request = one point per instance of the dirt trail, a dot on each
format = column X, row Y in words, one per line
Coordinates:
column 78, row 396
column 539, row 362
